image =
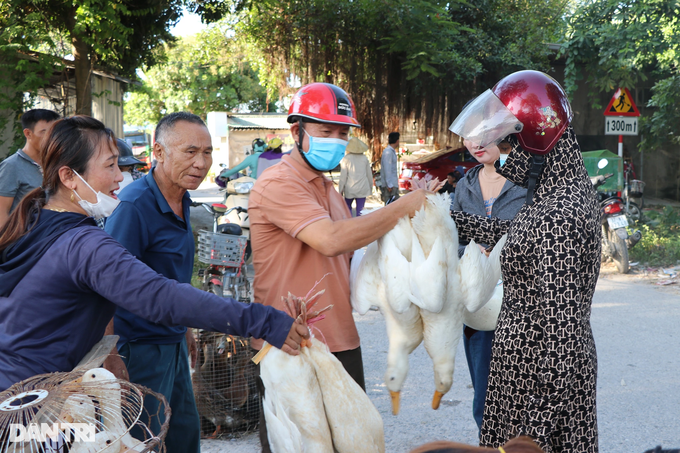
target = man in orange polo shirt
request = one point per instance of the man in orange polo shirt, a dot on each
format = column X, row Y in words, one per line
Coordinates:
column 300, row 225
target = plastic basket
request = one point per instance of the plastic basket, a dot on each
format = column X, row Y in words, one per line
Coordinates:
column 637, row 188
column 221, row 249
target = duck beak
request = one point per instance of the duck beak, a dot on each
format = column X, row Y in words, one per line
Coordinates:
column 436, row 399
column 395, row 402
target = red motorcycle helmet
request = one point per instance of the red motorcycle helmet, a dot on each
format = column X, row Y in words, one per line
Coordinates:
column 540, row 103
column 324, row 103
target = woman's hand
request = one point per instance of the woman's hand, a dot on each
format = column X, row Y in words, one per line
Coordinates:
column 298, row 331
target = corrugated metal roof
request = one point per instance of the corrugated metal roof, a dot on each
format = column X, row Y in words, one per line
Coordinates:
column 275, row 121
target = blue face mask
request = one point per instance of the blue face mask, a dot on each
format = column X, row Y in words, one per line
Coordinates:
column 502, row 159
column 324, row 153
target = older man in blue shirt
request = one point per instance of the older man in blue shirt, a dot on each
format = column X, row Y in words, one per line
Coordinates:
column 152, row 222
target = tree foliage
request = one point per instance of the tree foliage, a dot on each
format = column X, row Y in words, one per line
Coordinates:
column 202, row 73
column 116, row 34
column 618, row 44
column 406, row 63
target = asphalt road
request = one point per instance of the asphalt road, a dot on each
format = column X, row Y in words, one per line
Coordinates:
column 636, row 331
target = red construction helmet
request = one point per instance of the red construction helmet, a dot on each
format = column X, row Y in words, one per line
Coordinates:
column 325, row 103
column 540, row 103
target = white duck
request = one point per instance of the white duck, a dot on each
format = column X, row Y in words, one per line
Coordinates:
column 404, row 330
column 77, row 408
column 434, row 251
column 470, row 284
column 442, row 321
column 104, row 442
column 283, row 435
column 107, row 391
column 486, row 317
column 296, row 388
column 355, row 423
column 395, row 256
column 478, row 274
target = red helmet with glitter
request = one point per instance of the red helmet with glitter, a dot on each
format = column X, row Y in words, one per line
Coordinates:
column 540, row 104
column 325, row 103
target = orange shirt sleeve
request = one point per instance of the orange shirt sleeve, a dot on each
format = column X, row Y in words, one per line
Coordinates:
column 289, row 205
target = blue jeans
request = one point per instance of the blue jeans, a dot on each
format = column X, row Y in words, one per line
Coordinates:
column 164, row 368
column 478, row 354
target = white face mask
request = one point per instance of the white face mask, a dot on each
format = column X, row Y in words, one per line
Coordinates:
column 127, row 179
column 102, row 208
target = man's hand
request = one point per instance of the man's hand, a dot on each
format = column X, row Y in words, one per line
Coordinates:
column 298, row 331
column 115, row 364
column 191, row 347
column 413, row 201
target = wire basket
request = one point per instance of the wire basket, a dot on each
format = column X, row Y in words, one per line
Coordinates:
column 221, row 249
column 61, row 412
column 225, row 385
column 637, row 188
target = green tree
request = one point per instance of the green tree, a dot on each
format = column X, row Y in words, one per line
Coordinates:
column 402, row 61
column 116, row 34
column 202, row 73
column 618, row 44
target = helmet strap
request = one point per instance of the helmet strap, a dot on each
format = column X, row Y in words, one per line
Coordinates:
column 537, row 162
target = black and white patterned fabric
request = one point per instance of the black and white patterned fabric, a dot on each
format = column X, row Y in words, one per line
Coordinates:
column 544, row 365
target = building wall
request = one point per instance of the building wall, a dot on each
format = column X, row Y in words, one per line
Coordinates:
column 107, row 103
column 6, row 136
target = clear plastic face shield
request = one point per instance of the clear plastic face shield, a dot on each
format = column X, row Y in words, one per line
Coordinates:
column 485, row 122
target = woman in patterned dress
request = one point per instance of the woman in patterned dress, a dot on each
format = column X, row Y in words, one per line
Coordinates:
column 543, row 373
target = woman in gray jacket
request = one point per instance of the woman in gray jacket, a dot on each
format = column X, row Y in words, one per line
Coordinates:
column 356, row 177
column 484, row 192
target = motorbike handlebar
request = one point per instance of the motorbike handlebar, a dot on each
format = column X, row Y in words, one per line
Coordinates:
column 211, row 210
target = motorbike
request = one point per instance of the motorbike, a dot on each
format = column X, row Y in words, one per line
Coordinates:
column 237, row 192
column 223, row 249
column 615, row 221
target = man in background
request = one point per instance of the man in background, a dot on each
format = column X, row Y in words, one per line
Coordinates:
column 388, row 167
column 20, row 173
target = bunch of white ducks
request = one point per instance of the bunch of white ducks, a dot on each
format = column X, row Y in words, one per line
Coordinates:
column 424, row 291
column 310, row 403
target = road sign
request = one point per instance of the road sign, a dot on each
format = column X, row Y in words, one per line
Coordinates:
column 620, row 125
column 622, row 104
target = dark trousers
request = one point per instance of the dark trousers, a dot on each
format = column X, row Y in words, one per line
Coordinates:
column 164, row 368
column 389, row 192
column 360, row 202
column 352, row 362
column 477, row 345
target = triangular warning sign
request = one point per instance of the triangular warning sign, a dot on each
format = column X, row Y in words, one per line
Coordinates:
column 622, row 104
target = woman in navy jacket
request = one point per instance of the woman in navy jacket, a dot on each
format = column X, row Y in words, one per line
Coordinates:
column 61, row 277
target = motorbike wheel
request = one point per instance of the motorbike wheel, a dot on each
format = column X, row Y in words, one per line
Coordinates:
column 620, row 255
column 248, row 256
column 634, row 212
column 216, row 290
